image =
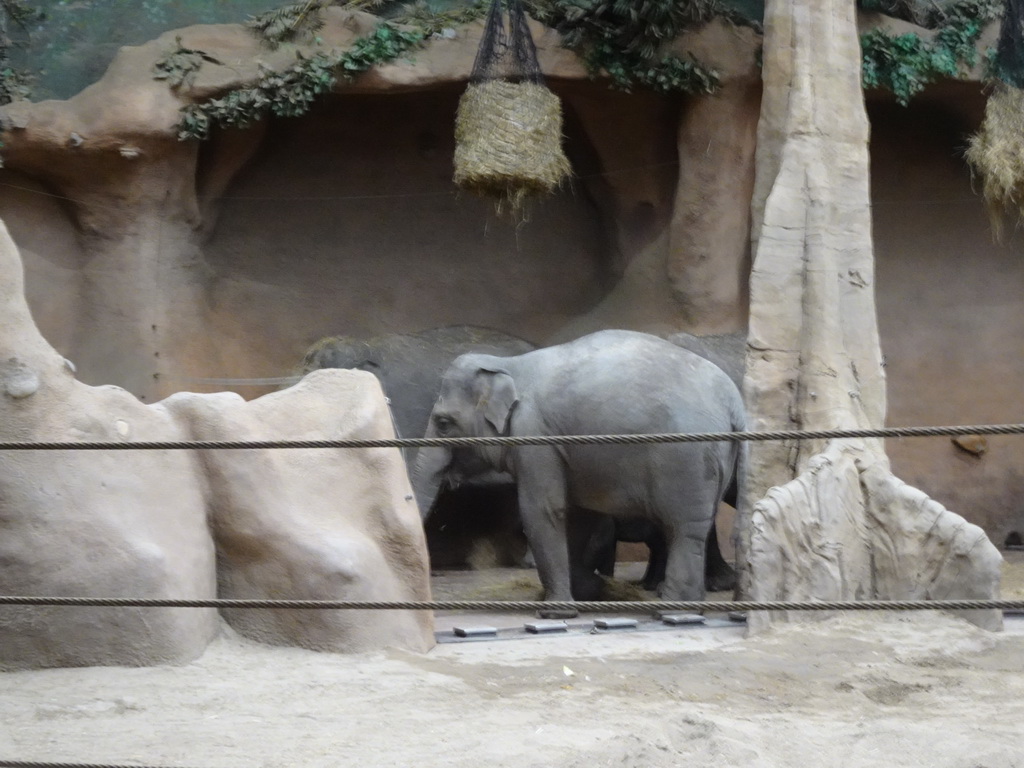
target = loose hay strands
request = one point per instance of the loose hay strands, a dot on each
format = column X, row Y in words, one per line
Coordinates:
column 996, row 154
column 508, row 142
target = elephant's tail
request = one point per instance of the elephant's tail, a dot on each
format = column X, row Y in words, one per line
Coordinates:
column 734, row 488
column 743, row 504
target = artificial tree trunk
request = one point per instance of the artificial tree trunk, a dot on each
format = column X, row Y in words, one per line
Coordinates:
column 827, row 519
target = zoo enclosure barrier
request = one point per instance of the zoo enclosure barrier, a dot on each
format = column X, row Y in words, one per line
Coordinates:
column 582, row 607
column 521, row 605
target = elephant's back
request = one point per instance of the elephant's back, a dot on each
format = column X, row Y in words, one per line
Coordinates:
column 620, row 382
column 726, row 350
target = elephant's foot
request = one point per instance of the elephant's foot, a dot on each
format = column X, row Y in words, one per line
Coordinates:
column 587, row 586
column 557, row 613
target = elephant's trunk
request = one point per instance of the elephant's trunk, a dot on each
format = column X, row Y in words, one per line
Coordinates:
column 428, row 473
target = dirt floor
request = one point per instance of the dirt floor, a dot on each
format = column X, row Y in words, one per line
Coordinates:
column 913, row 689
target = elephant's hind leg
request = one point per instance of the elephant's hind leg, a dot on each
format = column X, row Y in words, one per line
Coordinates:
column 684, row 572
column 719, row 575
column 688, row 518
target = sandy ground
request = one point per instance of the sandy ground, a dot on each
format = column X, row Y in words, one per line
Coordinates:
column 913, row 689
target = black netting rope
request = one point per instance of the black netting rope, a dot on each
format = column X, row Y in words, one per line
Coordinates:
column 1009, row 59
column 592, row 606
column 422, row 442
column 507, row 51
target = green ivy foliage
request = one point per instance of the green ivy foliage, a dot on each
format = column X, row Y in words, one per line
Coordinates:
column 905, row 64
column 387, row 43
column 623, row 37
column 15, row 83
column 180, row 66
column 291, row 92
column 289, row 23
column 422, row 15
column 629, row 26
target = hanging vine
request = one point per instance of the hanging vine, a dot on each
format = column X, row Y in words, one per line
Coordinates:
column 624, row 39
column 291, row 92
column 621, row 39
column 905, row 64
column 181, row 65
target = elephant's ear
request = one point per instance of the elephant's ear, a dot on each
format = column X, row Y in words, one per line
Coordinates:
column 498, row 398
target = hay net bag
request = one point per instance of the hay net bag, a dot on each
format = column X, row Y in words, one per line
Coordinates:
column 1009, row 61
column 996, row 151
column 508, row 129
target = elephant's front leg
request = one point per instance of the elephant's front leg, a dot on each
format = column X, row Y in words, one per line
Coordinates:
column 544, row 507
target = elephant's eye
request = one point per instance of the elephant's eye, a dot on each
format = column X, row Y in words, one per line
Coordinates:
column 442, row 424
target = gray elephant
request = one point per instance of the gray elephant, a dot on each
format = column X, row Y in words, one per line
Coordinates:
column 610, row 382
column 410, row 365
column 728, row 352
column 477, row 523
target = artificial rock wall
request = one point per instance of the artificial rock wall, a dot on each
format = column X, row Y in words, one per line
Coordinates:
column 949, row 312
column 162, row 266
column 323, row 524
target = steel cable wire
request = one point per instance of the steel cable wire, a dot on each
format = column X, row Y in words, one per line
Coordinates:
column 585, row 606
column 522, row 440
column 31, row 764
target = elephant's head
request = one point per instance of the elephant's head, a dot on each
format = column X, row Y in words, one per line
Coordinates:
column 341, row 352
column 477, row 399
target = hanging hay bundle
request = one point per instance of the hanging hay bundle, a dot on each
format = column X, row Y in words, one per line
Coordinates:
column 508, row 130
column 996, row 152
column 508, row 141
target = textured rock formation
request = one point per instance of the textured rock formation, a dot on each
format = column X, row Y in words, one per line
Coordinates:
column 689, row 271
column 90, row 522
column 323, row 524
column 838, row 524
column 476, row 524
column 313, row 524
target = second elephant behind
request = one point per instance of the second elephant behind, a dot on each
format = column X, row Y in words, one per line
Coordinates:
column 478, row 523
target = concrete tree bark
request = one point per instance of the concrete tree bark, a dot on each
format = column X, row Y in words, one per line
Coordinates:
column 835, row 524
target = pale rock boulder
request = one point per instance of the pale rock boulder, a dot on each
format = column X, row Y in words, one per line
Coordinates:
column 291, row 524
column 92, row 523
column 837, row 524
column 313, row 524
